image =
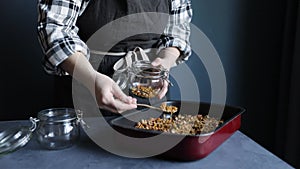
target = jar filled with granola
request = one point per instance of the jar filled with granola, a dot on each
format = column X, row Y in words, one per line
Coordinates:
column 146, row 80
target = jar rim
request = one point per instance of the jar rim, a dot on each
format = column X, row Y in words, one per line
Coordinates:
column 144, row 69
column 57, row 115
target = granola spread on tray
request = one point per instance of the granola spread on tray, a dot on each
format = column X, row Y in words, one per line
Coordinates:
column 181, row 124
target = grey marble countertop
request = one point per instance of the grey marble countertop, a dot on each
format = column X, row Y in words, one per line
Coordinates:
column 238, row 152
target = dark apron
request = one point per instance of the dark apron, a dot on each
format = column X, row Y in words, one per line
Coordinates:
column 101, row 12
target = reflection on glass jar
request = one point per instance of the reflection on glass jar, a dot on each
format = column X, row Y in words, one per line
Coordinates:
column 145, row 80
column 57, row 128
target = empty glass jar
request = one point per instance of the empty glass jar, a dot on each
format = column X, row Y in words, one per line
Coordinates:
column 57, row 128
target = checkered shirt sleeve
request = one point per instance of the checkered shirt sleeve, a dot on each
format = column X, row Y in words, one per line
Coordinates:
column 177, row 32
column 57, row 31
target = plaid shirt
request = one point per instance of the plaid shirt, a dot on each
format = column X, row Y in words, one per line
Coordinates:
column 57, row 30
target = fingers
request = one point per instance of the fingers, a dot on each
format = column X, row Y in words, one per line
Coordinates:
column 157, row 62
column 120, row 95
column 164, row 90
column 121, row 106
column 110, row 97
column 116, row 101
column 122, row 102
column 118, row 106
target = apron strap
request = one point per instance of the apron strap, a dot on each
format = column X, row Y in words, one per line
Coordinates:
column 142, row 53
column 137, row 54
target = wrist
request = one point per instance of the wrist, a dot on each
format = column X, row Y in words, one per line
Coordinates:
column 169, row 56
column 80, row 68
column 170, row 52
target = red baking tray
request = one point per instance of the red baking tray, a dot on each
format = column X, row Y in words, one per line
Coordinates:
column 191, row 147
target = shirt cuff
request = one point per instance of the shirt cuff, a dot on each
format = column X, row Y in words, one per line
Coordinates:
column 183, row 46
column 60, row 52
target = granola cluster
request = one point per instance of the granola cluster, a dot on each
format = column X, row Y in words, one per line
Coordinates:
column 181, row 124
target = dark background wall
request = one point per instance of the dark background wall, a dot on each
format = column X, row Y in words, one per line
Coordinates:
column 247, row 35
column 25, row 88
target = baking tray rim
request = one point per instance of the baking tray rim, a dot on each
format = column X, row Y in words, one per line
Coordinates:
column 113, row 122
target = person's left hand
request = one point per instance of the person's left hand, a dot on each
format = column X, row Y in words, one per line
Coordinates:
column 167, row 59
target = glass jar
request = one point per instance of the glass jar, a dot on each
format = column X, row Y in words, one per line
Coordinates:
column 57, row 128
column 146, row 80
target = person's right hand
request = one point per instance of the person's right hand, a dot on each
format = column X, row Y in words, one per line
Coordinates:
column 107, row 93
column 109, row 96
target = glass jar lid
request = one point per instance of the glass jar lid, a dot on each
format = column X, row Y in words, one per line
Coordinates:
column 14, row 138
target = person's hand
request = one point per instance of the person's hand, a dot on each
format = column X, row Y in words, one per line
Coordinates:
column 167, row 59
column 110, row 97
column 107, row 93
